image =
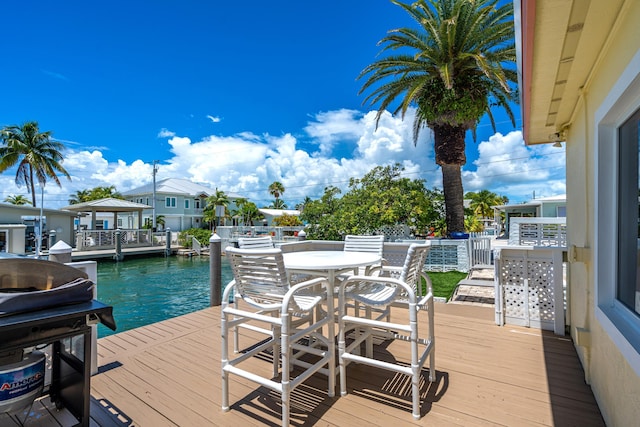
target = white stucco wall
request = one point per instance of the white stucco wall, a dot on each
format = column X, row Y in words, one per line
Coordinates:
column 610, row 366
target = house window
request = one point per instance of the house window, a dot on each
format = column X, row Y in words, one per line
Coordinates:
column 616, row 213
column 628, row 284
column 186, row 204
column 197, row 203
column 170, row 202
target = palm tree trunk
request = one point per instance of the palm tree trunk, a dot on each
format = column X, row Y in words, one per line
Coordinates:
column 449, row 147
column 33, row 190
column 453, row 197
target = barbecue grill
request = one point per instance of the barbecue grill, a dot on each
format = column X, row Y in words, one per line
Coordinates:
column 45, row 303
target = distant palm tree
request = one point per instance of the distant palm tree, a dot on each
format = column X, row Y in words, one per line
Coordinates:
column 453, row 68
column 276, row 189
column 81, row 196
column 278, row 204
column 37, row 156
column 250, row 213
column 482, row 203
column 19, row 200
column 96, row 193
column 220, row 198
column 300, row 206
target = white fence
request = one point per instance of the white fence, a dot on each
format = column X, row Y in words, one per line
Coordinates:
column 529, row 288
column 88, row 240
column 538, row 232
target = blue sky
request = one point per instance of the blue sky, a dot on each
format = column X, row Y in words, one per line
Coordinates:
column 234, row 95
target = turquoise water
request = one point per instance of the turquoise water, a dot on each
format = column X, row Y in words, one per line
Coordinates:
column 147, row 290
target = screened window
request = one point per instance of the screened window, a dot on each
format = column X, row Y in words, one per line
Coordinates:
column 628, row 281
column 186, row 204
column 170, row 202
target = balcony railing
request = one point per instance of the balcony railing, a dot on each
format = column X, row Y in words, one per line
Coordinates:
column 88, row 240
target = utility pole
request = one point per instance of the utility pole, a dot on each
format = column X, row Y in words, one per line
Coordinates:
column 155, row 171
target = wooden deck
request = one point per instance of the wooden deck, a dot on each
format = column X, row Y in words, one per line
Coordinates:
column 168, row 374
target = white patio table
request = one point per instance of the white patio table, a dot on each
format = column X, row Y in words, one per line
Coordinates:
column 327, row 263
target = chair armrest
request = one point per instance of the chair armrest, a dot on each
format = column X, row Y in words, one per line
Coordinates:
column 377, row 280
column 227, row 291
column 295, row 289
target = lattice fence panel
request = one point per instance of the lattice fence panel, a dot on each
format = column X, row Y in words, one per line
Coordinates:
column 529, row 288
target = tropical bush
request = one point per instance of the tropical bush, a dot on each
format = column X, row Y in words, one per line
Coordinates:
column 201, row 234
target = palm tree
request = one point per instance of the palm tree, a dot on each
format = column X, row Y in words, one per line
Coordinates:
column 276, row 189
column 19, row 200
column 482, row 202
column 35, row 154
column 300, row 206
column 250, row 213
column 278, row 204
column 218, row 199
column 458, row 64
column 80, row 197
column 96, row 193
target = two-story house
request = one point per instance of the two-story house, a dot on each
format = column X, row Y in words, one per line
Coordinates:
column 179, row 201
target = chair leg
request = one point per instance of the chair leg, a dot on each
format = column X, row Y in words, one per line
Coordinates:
column 225, row 360
column 415, row 391
column 341, row 349
column 276, row 349
column 331, row 346
column 285, row 354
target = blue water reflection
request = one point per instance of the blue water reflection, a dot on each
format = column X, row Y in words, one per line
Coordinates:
column 148, row 290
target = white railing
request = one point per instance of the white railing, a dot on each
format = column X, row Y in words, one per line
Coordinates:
column 196, row 246
column 88, row 240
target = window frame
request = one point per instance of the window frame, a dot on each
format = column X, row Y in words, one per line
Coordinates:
column 620, row 323
column 170, row 202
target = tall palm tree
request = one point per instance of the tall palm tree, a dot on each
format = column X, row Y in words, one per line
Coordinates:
column 19, row 200
column 37, row 156
column 458, row 63
column 276, row 189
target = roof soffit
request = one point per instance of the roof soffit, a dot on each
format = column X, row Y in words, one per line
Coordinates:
column 568, row 39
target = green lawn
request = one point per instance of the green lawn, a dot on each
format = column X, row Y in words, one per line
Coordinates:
column 445, row 283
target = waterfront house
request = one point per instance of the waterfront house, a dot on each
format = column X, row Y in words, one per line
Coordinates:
column 553, row 209
column 18, row 227
column 579, row 72
column 181, row 202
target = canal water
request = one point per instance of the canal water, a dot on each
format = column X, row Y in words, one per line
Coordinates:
column 147, row 290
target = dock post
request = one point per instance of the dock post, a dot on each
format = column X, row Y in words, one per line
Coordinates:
column 215, row 269
column 167, row 250
column 118, row 256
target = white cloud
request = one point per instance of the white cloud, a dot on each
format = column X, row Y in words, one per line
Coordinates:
column 247, row 163
column 214, row 119
column 508, row 167
column 165, row 133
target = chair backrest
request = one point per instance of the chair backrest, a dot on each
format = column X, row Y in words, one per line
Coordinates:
column 414, row 263
column 374, row 244
column 260, row 276
column 263, row 242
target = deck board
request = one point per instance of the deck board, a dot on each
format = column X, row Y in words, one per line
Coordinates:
column 168, row 374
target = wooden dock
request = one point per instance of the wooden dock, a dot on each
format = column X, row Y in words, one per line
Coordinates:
column 168, row 374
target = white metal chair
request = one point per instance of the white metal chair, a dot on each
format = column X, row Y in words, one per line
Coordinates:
column 360, row 243
column 379, row 292
column 263, row 242
column 283, row 313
